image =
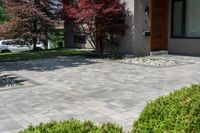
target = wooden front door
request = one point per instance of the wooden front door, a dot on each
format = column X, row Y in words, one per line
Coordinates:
column 159, row 24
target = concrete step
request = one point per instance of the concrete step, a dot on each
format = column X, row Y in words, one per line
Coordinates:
column 159, row 52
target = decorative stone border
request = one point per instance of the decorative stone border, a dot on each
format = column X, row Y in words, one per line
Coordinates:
column 16, row 82
column 152, row 61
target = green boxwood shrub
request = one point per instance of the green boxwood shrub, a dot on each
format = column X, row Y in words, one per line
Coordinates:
column 74, row 126
column 178, row 112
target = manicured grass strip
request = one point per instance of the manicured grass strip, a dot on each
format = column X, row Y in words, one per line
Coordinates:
column 31, row 55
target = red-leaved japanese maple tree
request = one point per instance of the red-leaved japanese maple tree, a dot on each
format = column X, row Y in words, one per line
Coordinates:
column 103, row 21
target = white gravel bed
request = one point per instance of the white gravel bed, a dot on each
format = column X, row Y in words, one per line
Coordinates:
column 149, row 61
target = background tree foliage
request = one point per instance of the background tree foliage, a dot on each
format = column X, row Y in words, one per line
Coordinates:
column 31, row 20
column 3, row 16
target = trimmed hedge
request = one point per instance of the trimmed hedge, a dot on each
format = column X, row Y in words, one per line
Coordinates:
column 74, row 126
column 178, row 112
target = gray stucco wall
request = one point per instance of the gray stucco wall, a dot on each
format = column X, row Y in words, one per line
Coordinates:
column 134, row 42
column 182, row 46
column 142, row 23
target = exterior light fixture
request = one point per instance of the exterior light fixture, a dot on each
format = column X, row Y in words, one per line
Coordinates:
column 147, row 9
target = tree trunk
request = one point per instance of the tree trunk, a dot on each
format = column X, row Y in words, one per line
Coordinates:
column 45, row 42
column 34, row 44
column 99, row 40
column 66, row 35
column 36, row 2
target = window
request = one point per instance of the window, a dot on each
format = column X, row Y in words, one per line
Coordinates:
column 193, row 18
column 79, row 38
column 177, row 18
column 185, row 19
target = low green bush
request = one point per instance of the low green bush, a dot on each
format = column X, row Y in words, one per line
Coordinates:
column 57, row 40
column 178, row 112
column 74, row 126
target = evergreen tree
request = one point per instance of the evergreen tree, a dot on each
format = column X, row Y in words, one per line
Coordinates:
column 3, row 16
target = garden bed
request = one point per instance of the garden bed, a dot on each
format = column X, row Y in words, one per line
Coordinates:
column 9, row 81
column 12, row 81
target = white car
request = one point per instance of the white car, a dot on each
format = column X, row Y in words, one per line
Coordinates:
column 39, row 46
column 4, row 48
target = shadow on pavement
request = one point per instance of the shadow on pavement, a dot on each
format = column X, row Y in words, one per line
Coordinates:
column 10, row 80
column 45, row 64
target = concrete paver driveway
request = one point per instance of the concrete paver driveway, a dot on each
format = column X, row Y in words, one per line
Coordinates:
column 91, row 89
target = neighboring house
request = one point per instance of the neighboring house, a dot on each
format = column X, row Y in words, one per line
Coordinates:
column 74, row 38
column 156, row 25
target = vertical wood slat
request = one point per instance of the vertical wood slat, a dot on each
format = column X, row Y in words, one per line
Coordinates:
column 159, row 24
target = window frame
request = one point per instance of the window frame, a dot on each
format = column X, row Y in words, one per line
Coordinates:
column 183, row 35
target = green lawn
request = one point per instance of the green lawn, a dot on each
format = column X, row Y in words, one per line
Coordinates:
column 31, row 55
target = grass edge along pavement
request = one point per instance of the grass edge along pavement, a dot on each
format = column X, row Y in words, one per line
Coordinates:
column 33, row 55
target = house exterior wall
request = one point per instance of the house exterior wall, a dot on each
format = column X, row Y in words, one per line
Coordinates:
column 134, row 42
column 142, row 23
column 182, row 46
